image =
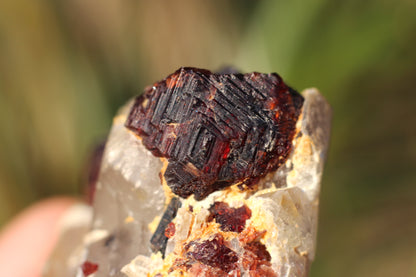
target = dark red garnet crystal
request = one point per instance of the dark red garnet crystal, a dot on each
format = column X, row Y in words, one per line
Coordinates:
column 89, row 268
column 212, row 252
column 230, row 219
column 216, row 129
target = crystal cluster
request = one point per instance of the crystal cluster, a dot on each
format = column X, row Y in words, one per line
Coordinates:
column 209, row 175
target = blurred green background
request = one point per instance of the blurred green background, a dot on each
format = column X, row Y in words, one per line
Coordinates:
column 66, row 66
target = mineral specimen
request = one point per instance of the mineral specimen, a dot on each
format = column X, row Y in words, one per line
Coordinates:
column 216, row 129
column 210, row 175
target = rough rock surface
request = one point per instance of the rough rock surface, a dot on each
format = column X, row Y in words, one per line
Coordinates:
column 272, row 233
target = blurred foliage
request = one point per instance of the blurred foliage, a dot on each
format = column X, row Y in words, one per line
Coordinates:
column 66, row 66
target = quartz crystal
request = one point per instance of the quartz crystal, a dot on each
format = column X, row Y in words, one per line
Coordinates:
column 209, row 175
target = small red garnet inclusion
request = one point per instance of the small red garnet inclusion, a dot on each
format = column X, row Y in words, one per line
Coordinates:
column 170, row 230
column 89, row 268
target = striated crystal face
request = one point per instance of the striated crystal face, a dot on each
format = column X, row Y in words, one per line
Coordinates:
column 145, row 225
column 216, row 129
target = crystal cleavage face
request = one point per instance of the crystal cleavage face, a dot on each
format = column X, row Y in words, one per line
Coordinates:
column 216, row 130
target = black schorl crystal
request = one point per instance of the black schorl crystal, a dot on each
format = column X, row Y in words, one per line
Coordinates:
column 159, row 240
column 216, row 129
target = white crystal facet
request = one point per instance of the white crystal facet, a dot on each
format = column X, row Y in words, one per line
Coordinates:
column 128, row 196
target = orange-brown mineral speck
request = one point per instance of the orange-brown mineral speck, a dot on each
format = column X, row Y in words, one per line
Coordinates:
column 170, row 230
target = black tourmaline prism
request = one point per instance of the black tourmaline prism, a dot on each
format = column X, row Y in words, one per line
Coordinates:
column 216, row 130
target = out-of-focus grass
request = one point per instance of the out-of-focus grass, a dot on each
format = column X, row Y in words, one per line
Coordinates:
column 66, row 66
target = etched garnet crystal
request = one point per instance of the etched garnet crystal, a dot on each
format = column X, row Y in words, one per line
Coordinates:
column 216, row 129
